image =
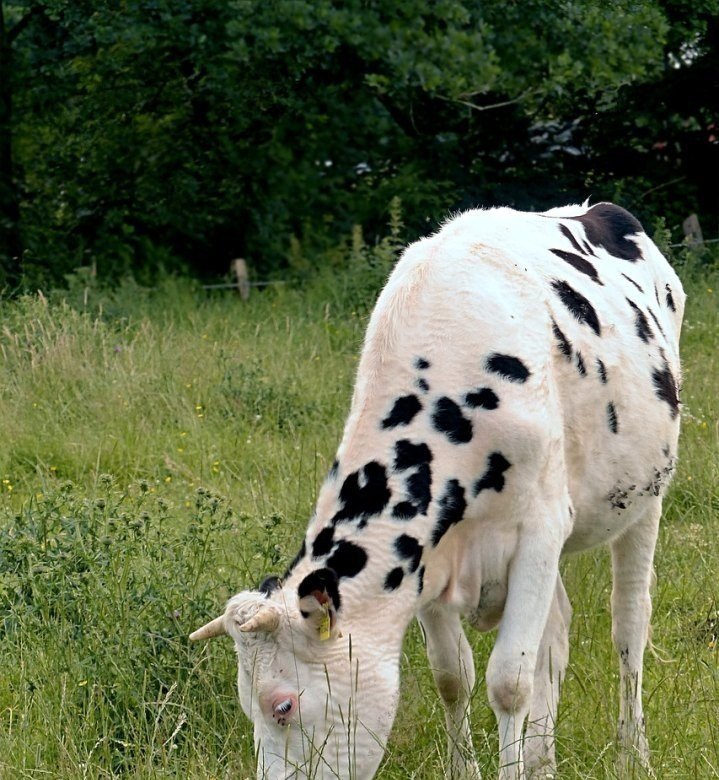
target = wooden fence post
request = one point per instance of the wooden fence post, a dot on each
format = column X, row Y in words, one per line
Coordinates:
column 692, row 230
column 239, row 270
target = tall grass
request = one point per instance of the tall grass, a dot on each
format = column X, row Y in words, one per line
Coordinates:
column 162, row 449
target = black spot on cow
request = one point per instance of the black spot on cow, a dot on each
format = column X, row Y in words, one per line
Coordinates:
column 619, row 497
column 580, row 263
column 629, row 279
column 670, row 298
column 334, row 470
column 323, row 542
column 409, row 549
column 641, row 323
column 422, row 363
column 416, row 457
column 658, row 481
column 610, row 227
column 562, row 342
column 567, row 233
column 419, row 487
column 405, row 510
column 403, row 411
column 364, row 493
column 394, row 579
column 321, row 581
column 270, row 584
column 420, row 580
column 493, row 477
column 612, row 418
column 581, row 368
column 484, row 398
column 656, row 321
column 666, row 388
column 452, row 506
column 448, row 419
column 578, row 305
column 602, row 371
column 508, row 367
column 407, row 454
column 348, row 559
column 422, row 384
column 300, row 555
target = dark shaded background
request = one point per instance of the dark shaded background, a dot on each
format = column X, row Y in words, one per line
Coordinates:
column 177, row 134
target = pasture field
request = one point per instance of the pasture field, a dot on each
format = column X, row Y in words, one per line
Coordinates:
column 162, row 449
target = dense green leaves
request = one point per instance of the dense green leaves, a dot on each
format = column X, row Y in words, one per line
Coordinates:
column 153, row 133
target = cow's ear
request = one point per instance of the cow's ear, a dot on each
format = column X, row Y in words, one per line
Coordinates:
column 319, row 601
column 270, row 584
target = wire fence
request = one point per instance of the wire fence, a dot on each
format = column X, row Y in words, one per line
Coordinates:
column 234, row 285
column 698, row 243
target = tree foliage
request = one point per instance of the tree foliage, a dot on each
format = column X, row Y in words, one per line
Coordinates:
column 172, row 133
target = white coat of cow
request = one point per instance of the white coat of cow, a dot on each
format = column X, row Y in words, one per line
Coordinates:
column 516, row 399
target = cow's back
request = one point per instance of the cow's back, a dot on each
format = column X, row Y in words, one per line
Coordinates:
column 570, row 320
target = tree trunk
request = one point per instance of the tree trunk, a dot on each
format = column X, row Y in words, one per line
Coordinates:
column 10, row 237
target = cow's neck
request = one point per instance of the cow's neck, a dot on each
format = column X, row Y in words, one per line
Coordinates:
column 377, row 513
column 373, row 531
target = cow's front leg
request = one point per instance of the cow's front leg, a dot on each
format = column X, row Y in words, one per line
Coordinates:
column 511, row 668
column 632, row 556
column 450, row 658
column 539, row 754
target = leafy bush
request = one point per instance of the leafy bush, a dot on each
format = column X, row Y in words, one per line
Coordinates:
column 107, row 589
column 350, row 277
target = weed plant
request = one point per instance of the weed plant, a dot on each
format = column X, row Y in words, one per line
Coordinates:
column 162, row 450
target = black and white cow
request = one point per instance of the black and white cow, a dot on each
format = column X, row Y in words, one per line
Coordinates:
column 516, row 399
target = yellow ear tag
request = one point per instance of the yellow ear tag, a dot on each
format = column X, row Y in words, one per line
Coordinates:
column 324, row 625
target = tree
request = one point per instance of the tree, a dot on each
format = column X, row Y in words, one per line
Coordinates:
column 436, row 102
column 10, row 235
column 659, row 139
column 163, row 132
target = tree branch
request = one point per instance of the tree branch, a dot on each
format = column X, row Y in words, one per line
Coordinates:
column 404, row 122
column 661, row 186
column 490, row 107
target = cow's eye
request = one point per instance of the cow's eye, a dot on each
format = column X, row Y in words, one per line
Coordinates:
column 283, row 708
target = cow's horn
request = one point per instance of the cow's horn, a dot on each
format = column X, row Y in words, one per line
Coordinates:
column 212, row 629
column 266, row 619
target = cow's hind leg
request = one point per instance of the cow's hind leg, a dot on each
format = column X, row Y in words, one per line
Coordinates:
column 632, row 556
column 510, row 672
column 452, row 664
column 539, row 754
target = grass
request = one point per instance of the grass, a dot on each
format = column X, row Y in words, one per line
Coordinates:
column 162, row 450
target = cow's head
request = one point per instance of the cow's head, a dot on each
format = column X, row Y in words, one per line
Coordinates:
column 321, row 696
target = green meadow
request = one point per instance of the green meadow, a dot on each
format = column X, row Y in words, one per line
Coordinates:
column 162, row 449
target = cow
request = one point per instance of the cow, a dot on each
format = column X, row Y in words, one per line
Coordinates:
column 516, row 400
